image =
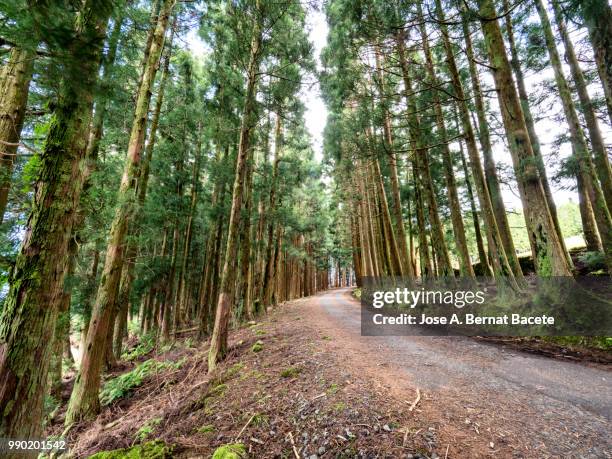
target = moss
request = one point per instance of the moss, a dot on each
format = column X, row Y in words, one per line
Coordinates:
column 149, row 450
column 261, row 420
column 340, row 406
column 230, row 451
column 333, row 389
column 260, row 332
column 217, row 391
column 257, row 347
column 147, row 428
column 209, row 428
column 291, row 372
column 233, row 371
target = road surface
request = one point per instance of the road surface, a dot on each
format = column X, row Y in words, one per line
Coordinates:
column 536, row 406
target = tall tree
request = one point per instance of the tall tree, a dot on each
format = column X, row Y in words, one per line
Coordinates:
column 550, row 259
column 27, row 320
column 84, row 400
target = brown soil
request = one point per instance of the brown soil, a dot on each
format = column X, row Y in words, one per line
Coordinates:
column 328, row 407
column 315, row 390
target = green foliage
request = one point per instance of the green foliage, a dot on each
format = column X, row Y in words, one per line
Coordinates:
column 149, row 450
column 333, row 388
column 122, row 385
column 145, row 346
column 257, row 347
column 592, row 342
column 208, row 428
column 291, row 372
column 261, row 420
column 340, row 406
column 147, row 428
column 230, row 451
column 593, row 260
column 569, row 219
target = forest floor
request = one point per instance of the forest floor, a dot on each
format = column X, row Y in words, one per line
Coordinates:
column 316, row 388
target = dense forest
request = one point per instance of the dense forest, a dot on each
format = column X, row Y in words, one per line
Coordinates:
column 148, row 190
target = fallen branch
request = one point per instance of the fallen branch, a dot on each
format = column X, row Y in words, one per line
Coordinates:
column 416, row 400
column 245, row 426
column 295, row 451
column 178, row 332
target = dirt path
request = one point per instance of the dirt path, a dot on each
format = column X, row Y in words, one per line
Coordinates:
column 534, row 406
column 303, row 382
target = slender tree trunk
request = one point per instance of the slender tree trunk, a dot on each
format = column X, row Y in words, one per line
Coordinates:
column 17, row 73
column 218, row 345
column 449, row 174
column 597, row 16
column 90, row 289
column 390, row 243
column 425, row 260
column 417, row 144
column 600, row 153
column 550, row 258
column 84, row 402
column 490, row 170
column 244, row 289
column 266, row 295
column 504, row 265
column 515, row 63
column 579, row 145
column 589, row 226
column 97, row 128
column 406, row 262
column 482, row 254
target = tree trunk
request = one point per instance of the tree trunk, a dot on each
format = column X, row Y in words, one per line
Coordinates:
column 579, row 145
column 84, row 402
column 550, row 258
column 406, row 262
column 490, row 170
column 586, row 107
column 597, row 16
column 17, row 73
column 218, row 345
column 29, row 314
column 503, row 263
column 266, row 295
column 515, row 63
column 482, row 254
column 449, row 174
column 589, row 226
column 417, row 144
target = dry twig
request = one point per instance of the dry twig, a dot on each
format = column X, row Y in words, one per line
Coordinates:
column 295, row 451
column 416, row 400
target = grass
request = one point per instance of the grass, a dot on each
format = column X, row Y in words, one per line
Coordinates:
column 592, row 342
column 333, row 388
column 340, row 406
column 260, row 420
column 122, row 385
column 291, row 372
column 208, row 428
column 147, row 428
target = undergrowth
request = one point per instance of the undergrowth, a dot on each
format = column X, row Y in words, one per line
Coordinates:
column 146, row 345
column 121, row 386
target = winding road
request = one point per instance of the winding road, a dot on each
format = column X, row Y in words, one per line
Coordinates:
column 535, row 406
